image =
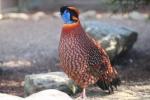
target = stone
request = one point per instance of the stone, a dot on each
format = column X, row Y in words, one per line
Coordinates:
column 115, row 39
column 22, row 16
column 1, row 16
column 9, row 97
column 38, row 15
column 53, row 80
column 138, row 16
column 117, row 16
column 56, row 14
column 91, row 14
column 50, row 94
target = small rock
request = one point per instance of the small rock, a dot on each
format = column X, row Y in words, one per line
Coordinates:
column 56, row 14
column 38, row 15
column 138, row 16
column 52, row 80
column 99, row 16
column 1, row 16
column 88, row 14
column 9, row 97
column 16, row 63
column 50, row 94
column 117, row 16
column 131, row 60
column 16, row 16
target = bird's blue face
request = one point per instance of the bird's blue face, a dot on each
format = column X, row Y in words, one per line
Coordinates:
column 66, row 16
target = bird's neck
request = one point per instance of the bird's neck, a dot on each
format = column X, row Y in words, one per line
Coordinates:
column 70, row 28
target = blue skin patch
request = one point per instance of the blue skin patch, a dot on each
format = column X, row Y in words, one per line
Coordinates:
column 66, row 17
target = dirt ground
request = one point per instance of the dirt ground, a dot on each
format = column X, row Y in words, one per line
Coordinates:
column 29, row 46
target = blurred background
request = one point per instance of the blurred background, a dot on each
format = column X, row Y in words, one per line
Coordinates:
column 30, row 31
column 52, row 5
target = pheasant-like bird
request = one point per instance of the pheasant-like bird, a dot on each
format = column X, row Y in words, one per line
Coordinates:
column 81, row 58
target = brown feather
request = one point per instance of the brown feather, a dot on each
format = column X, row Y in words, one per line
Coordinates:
column 83, row 59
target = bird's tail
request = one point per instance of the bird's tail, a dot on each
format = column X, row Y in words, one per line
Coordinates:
column 110, row 82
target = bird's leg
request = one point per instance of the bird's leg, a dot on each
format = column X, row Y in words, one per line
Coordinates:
column 83, row 95
column 111, row 90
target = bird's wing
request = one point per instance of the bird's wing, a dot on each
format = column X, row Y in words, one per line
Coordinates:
column 98, row 60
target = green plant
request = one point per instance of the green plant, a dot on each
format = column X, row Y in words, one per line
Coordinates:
column 129, row 5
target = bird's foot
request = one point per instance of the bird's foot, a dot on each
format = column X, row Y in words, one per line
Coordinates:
column 111, row 90
column 81, row 97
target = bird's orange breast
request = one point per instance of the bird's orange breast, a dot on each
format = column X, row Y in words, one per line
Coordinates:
column 69, row 27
